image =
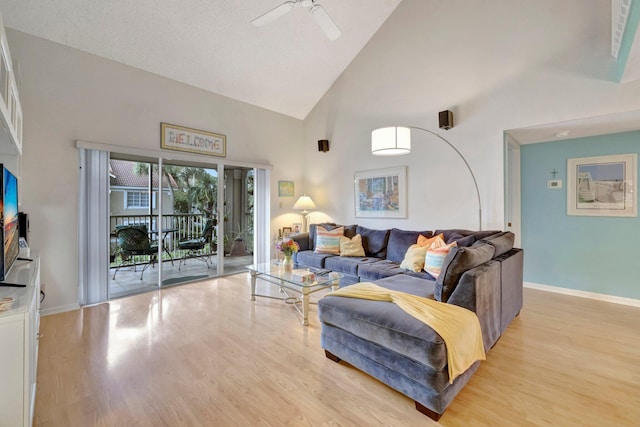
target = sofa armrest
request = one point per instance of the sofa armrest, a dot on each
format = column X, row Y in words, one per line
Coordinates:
column 511, row 279
column 479, row 290
column 302, row 239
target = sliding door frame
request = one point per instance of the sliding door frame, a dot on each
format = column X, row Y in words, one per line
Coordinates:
column 261, row 187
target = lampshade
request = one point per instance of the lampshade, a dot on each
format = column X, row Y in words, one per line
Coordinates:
column 304, row 203
column 391, row 141
column 396, row 140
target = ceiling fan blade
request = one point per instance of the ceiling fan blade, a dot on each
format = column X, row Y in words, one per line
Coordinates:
column 273, row 14
column 325, row 22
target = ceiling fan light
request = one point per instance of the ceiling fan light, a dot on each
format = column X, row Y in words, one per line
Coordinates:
column 391, row 141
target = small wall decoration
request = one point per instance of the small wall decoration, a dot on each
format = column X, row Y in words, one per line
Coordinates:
column 181, row 138
column 296, row 227
column 286, row 189
column 602, row 186
column 381, row 193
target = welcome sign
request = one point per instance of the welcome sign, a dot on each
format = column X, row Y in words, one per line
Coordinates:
column 181, row 138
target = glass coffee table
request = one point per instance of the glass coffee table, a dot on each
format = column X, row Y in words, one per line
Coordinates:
column 303, row 281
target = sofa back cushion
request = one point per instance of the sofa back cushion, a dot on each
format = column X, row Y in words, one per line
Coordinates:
column 400, row 241
column 374, row 241
column 502, row 242
column 464, row 237
column 459, row 260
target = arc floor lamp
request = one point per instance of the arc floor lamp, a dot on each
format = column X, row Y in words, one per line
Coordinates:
column 396, row 140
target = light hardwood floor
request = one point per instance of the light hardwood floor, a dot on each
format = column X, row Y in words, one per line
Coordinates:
column 203, row 354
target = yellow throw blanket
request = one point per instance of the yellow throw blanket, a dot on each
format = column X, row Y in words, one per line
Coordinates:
column 458, row 327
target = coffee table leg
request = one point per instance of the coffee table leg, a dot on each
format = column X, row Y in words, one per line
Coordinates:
column 305, row 308
column 253, row 285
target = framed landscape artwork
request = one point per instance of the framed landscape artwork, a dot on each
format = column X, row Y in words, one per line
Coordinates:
column 286, row 189
column 602, row 186
column 381, row 193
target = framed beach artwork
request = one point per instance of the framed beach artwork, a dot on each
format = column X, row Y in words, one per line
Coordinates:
column 381, row 193
column 602, row 186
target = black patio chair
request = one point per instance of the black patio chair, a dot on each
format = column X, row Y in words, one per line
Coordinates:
column 195, row 248
column 133, row 241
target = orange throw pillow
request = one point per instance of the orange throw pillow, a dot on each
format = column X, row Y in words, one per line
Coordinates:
column 427, row 241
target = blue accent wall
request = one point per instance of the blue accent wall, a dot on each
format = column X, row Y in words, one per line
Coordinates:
column 593, row 254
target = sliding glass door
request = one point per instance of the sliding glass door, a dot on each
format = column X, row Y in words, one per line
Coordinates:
column 133, row 220
column 238, row 219
column 173, row 223
column 189, row 224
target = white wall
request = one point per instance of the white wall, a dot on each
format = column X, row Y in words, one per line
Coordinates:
column 68, row 95
column 497, row 65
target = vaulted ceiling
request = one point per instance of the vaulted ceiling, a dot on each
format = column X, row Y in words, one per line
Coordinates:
column 284, row 66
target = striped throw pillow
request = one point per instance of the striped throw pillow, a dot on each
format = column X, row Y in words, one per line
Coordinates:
column 435, row 256
column 328, row 242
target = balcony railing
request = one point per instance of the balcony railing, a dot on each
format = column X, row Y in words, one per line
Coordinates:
column 173, row 229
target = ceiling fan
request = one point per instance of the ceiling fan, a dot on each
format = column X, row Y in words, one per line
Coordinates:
column 317, row 11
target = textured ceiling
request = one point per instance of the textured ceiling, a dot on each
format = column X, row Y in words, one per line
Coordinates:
column 285, row 66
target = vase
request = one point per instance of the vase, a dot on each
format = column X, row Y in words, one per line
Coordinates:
column 287, row 264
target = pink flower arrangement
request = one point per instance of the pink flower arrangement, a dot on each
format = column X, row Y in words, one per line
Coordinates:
column 288, row 247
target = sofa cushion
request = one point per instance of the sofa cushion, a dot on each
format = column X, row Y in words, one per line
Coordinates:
column 347, row 265
column 502, row 242
column 399, row 242
column 457, row 234
column 311, row 259
column 351, row 246
column 414, row 258
column 328, row 241
column 420, row 274
column 456, row 263
column 387, row 325
column 379, row 270
column 464, row 242
column 374, row 241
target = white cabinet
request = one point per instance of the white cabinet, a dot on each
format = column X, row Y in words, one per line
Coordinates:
column 10, row 107
column 19, row 345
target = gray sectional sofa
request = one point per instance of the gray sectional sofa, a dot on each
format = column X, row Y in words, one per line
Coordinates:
column 483, row 274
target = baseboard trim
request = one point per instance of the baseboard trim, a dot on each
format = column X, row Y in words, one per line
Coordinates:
column 584, row 294
column 59, row 309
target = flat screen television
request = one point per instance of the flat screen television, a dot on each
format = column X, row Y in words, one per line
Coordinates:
column 8, row 221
